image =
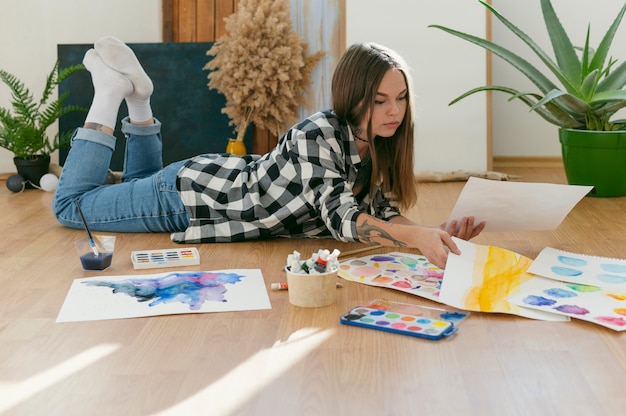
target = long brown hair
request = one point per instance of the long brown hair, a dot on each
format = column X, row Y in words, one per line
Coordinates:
column 355, row 83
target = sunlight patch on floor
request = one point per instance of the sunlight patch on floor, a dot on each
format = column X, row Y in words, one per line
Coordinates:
column 12, row 394
column 255, row 370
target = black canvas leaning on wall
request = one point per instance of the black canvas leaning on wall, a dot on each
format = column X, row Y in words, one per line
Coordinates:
column 191, row 113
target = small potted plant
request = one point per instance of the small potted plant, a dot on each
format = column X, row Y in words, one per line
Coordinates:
column 262, row 67
column 23, row 126
column 583, row 106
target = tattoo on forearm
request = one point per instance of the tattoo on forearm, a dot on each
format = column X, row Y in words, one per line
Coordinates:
column 94, row 126
column 372, row 234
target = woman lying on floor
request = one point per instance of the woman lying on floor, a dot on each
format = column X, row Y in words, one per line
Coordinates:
column 343, row 173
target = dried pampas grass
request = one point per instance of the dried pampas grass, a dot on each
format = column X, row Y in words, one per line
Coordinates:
column 261, row 66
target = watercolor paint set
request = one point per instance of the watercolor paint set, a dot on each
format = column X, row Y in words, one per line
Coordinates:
column 405, row 319
column 171, row 257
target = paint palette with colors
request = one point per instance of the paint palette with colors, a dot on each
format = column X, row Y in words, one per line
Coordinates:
column 399, row 323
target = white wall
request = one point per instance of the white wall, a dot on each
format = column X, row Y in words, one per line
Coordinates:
column 516, row 131
column 446, row 66
column 447, row 138
column 30, row 31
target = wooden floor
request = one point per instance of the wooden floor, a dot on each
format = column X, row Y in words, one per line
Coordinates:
column 290, row 360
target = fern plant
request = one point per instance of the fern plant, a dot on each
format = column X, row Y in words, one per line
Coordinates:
column 23, row 126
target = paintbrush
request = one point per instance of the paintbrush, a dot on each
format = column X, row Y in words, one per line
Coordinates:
column 92, row 243
column 357, row 251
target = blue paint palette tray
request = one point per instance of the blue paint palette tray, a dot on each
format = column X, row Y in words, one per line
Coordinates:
column 405, row 319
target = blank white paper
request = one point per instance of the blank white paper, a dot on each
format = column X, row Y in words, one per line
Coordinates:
column 516, row 206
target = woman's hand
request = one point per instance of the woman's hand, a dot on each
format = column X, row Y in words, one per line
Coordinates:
column 465, row 230
column 435, row 244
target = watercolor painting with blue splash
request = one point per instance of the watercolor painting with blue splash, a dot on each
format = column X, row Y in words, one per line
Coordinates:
column 190, row 288
column 117, row 297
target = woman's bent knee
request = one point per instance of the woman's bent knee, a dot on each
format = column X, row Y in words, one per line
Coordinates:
column 61, row 210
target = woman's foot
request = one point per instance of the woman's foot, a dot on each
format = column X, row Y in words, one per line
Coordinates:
column 110, row 88
column 117, row 55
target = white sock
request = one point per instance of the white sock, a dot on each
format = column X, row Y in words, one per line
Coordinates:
column 121, row 58
column 110, row 88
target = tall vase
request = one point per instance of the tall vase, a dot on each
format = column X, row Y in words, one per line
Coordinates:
column 236, row 147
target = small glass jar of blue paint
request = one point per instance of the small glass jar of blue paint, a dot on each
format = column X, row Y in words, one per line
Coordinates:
column 96, row 258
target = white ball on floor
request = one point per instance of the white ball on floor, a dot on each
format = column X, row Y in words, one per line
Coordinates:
column 48, row 182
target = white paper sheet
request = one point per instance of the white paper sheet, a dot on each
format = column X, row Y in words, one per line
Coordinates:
column 516, row 206
column 177, row 292
column 410, row 273
column 590, row 303
column 580, row 268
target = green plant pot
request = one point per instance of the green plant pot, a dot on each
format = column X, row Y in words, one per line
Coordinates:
column 32, row 169
column 596, row 158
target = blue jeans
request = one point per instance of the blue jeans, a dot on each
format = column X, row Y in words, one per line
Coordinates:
column 146, row 200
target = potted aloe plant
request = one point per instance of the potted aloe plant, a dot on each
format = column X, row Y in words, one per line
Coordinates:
column 583, row 106
column 23, row 126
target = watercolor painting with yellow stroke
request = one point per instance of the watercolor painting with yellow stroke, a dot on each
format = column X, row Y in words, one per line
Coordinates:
column 483, row 277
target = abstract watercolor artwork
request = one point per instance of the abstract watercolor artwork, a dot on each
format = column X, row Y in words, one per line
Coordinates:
column 580, row 269
column 481, row 279
column 117, row 297
column 606, row 307
column 406, row 272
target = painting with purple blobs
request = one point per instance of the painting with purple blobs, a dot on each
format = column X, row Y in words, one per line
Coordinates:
column 410, row 273
column 538, row 301
column 560, row 293
column 189, row 288
column 572, row 310
column 594, row 304
column 580, row 269
column 117, row 297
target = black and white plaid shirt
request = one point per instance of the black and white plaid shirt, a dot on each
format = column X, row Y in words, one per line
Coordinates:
column 302, row 188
